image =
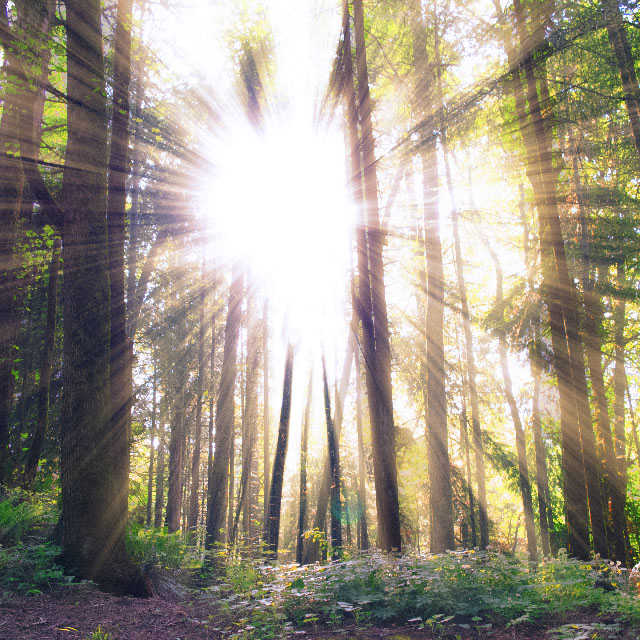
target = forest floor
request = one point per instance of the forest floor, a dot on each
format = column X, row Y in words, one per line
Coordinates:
column 76, row 612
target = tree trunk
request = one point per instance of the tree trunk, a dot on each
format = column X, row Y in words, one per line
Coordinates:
column 121, row 348
column 626, row 66
column 177, row 444
column 225, row 415
column 272, row 529
column 266, row 409
column 152, row 436
column 194, row 502
column 619, row 386
column 11, row 185
column 93, row 452
column 313, row 548
column 304, row 490
column 376, row 325
column 46, row 366
column 362, row 488
column 334, row 465
column 159, row 502
column 521, row 447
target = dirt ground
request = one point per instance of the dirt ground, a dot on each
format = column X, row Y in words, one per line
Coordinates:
column 74, row 612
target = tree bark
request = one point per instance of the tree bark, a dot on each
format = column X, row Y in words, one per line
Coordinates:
column 334, row 465
column 376, row 325
column 177, row 444
column 362, row 488
column 225, row 415
column 152, row 436
column 304, row 490
column 622, row 51
column 159, row 502
column 521, row 447
column 46, row 366
column 93, row 451
column 121, row 348
column 194, row 501
column 272, row 529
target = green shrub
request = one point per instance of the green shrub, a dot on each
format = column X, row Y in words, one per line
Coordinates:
column 29, row 570
column 23, row 513
column 157, row 547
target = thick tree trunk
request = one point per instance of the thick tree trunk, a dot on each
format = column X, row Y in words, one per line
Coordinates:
column 464, row 440
column 121, row 348
column 93, row 452
column 376, row 325
column 304, row 490
column 225, row 415
column 272, row 528
column 11, row 185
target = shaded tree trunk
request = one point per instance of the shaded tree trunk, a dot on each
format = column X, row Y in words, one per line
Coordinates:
column 46, row 366
column 362, row 489
column 374, row 318
column 177, row 444
column 159, row 502
column 334, row 465
column 94, row 450
column 194, row 501
column 521, row 447
column 266, row 409
column 152, row 436
column 304, row 490
column 225, row 415
column 272, row 528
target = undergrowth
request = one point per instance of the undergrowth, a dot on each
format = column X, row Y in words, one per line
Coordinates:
column 467, row 589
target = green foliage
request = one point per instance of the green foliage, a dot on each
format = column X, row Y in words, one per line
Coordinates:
column 29, row 570
column 469, row 589
column 23, row 513
column 98, row 634
column 157, row 547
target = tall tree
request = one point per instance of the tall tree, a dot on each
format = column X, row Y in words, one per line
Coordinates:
column 272, row 526
column 373, row 314
column 93, row 453
column 304, row 489
column 225, row 414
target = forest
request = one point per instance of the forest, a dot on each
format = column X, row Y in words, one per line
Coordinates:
column 319, row 317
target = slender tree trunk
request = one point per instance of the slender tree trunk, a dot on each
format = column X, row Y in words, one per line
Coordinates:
column 334, row 465
column 225, row 414
column 542, row 478
column 313, row 549
column 177, row 444
column 619, row 387
column 272, row 529
column 465, row 445
column 376, row 325
column 194, row 501
column 212, row 389
column 304, row 490
column 159, row 502
column 46, row 366
column 362, row 488
column 266, row 409
column 521, row 448
column 152, row 436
